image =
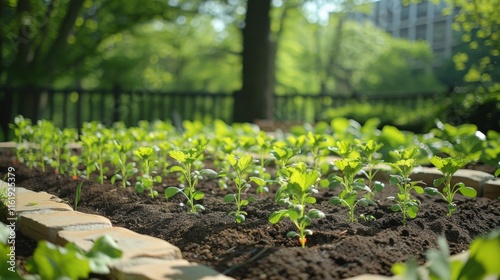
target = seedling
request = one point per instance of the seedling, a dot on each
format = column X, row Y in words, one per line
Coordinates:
column 186, row 159
column 146, row 179
column 370, row 156
column 21, row 128
column 403, row 167
column 449, row 166
column 283, row 155
column 348, row 197
column 240, row 166
column 482, row 262
column 78, row 193
column 125, row 168
column 295, row 194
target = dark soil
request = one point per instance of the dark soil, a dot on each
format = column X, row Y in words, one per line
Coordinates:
column 257, row 249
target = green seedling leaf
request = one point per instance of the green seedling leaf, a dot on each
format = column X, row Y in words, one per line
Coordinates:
column 104, row 251
column 258, row 181
column 497, row 172
column 177, row 168
column 431, row 191
column 198, row 195
column 199, row 207
column 244, row 163
column 277, row 216
column 378, row 186
column 251, row 199
column 439, row 181
column 310, row 200
column 439, row 264
column 395, row 208
column 315, row 214
column 468, row 191
column 209, row 173
column 178, row 155
column 52, row 262
column 412, row 210
column 395, row 179
column 232, row 159
column 418, row 190
column 483, row 258
column 158, row 179
column 171, row 191
column 240, row 218
column 139, row 187
column 334, row 200
column 229, row 198
column 292, row 234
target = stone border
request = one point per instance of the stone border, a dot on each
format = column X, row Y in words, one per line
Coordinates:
column 41, row 216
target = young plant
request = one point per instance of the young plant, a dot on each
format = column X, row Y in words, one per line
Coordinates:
column 369, row 154
column 403, row 167
column 186, row 159
column 74, row 162
column 88, row 143
column 120, row 160
column 21, row 128
column 78, row 193
column 283, row 155
column 482, row 262
column 146, row 179
column 240, row 166
column 449, row 166
column 44, row 132
column 295, row 193
column 60, row 140
column 348, row 197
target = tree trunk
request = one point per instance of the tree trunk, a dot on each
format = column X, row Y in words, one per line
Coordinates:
column 255, row 99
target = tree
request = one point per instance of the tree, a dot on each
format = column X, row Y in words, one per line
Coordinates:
column 255, row 100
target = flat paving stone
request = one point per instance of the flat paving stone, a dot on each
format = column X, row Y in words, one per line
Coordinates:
column 175, row 269
column 132, row 244
column 46, row 226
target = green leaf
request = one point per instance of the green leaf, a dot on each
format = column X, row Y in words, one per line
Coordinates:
column 310, row 200
column 258, row 181
column 315, row 214
column 395, row 207
column 244, row 162
column 334, row 200
column 171, row 191
column 209, row 173
column 178, row 155
column 497, row 172
column 277, row 216
column 158, row 179
column 395, row 179
column 199, row 207
column 240, row 218
column 483, row 258
column 431, row 191
column 178, row 168
column 418, row 190
column 232, row 159
column 198, row 195
column 439, row 263
column 230, row 198
column 378, row 186
column 468, row 191
column 412, row 211
column 292, row 234
column 139, row 187
column 439, row 181
column 104, row 251
column 53, row 262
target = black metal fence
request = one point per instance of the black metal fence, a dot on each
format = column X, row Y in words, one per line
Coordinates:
column 72, row 107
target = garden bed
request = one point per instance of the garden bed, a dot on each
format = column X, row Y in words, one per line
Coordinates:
column 257, row 249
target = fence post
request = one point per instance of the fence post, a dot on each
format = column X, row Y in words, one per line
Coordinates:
column 116, row 102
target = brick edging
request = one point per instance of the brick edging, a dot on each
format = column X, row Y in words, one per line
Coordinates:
column 41, row 216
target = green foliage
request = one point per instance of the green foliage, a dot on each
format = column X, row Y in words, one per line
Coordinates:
column 348, row 197
column 294, row 194
column 481, row 263
column 404, row 165
column 186, row 159
column 78, row 193
column 449, row 166
column 146, row 179
column 240, row 167
column 50, row 261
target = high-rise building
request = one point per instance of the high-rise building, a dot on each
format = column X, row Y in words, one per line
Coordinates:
column 424, row 20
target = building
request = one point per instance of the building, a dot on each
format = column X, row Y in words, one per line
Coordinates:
column 415, row 21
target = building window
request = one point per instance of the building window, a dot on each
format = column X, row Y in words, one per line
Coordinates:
column 403, row 33
column 422, row 9
column 421, row 32
column 439, row 32
column 405, row 13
